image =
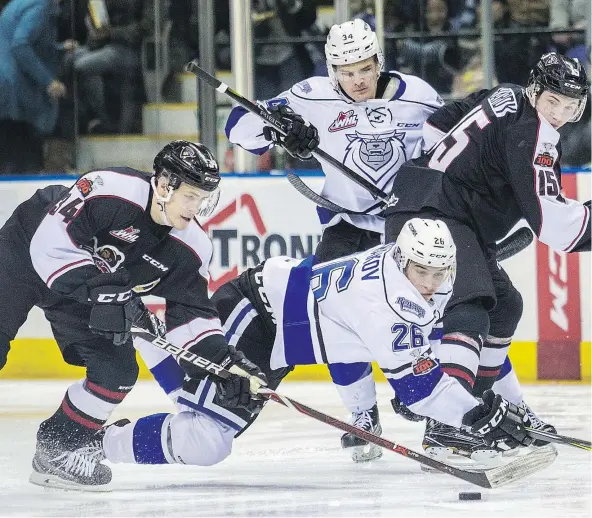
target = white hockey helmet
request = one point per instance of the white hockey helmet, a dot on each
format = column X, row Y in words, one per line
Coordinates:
column 348, row 43
column 427, row 242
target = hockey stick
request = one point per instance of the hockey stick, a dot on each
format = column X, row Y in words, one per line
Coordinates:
column 514, row 243
column 492, row 478
column 559, row 439
column 511, row 245
column 319, row 200
column 269, row 119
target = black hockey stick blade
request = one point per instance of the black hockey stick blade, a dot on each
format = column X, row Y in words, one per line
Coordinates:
column 514, row 243
column 272, row 121
column 492, row 478
column 559, row 439
column 319, row 200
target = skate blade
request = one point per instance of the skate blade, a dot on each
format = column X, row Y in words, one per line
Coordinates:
column 366, row 453
column 55, row 482
column 480, row 460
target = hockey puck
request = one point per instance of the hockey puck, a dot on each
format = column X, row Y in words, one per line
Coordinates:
column 469, row 496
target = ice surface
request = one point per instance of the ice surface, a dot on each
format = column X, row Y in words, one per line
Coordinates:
column 289, row 465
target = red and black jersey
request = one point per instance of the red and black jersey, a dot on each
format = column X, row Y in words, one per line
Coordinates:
column 496, row 162
column 102, row 224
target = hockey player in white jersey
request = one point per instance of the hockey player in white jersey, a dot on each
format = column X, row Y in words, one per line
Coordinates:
column 378, row 305
column 372, row 122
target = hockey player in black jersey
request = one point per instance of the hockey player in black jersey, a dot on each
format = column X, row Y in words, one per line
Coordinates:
column 496, row 160
column 85, row 255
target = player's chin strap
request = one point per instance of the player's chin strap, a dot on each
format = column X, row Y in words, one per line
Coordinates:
column 162, row 201
column 491, row 478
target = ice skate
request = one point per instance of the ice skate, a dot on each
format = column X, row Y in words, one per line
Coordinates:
column 458, row 447
column 362, row 451
column 537, row 424
column 79, row 469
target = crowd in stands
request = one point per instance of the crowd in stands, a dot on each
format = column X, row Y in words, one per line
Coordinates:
column 65, row 73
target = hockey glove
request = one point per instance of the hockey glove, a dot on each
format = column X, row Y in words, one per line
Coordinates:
column 400, row 408
column 240, row 389
column 112, row 307
column 500, row 423
column 301, row 137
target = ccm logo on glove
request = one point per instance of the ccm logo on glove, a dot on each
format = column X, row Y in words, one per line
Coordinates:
column 496, row 419
column 114, row 297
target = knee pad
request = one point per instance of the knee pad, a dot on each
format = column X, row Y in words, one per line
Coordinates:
column 4, row 348
column 506, row 315
column 198, row 440
column 467, row 318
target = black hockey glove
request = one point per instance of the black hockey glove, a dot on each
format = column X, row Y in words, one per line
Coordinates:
column 301, row 137
column 239, row 391
column 400, row 408
column 113, row 306
column 143, row 318
column 501, row 423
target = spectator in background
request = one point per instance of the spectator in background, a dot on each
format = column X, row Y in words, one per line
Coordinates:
column 571, row 14
column 436, row 60
column 471, row 78
column 279, row 65
column 30, row 60
column 112, row 52
column 516, row 55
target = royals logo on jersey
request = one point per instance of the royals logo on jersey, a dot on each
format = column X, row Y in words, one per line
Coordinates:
column 375, row 155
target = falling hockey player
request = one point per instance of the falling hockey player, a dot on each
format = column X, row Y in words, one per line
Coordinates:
column 378, row 305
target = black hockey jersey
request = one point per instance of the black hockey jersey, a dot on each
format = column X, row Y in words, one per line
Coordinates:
column 497, row 161
column 103, row 224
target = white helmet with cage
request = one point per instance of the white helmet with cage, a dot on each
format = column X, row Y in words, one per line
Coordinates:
column 427, row 242
column 348, row 43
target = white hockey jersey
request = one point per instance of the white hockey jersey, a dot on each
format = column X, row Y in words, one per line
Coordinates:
column 361, row 308
column 373, row 138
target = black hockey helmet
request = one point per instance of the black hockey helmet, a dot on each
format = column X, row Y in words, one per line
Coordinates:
column 189, row 162
column 560, row 75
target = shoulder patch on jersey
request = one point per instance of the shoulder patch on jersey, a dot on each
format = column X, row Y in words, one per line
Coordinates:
column 87, row 184
column 304, row 86
column 343, row 121
column 503, row 101
column 278, row 101
column 410, row 307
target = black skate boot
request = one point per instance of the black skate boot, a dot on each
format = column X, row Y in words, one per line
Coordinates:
column 79, row 469
column 537, row 423
column 458, row 447
column 362, row 451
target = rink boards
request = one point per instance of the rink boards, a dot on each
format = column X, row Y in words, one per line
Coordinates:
column 262, row 215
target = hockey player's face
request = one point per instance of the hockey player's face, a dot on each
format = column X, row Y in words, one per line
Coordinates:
column 184, row 205
column 556, row 109
column 426, row 279
column 359, row 80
